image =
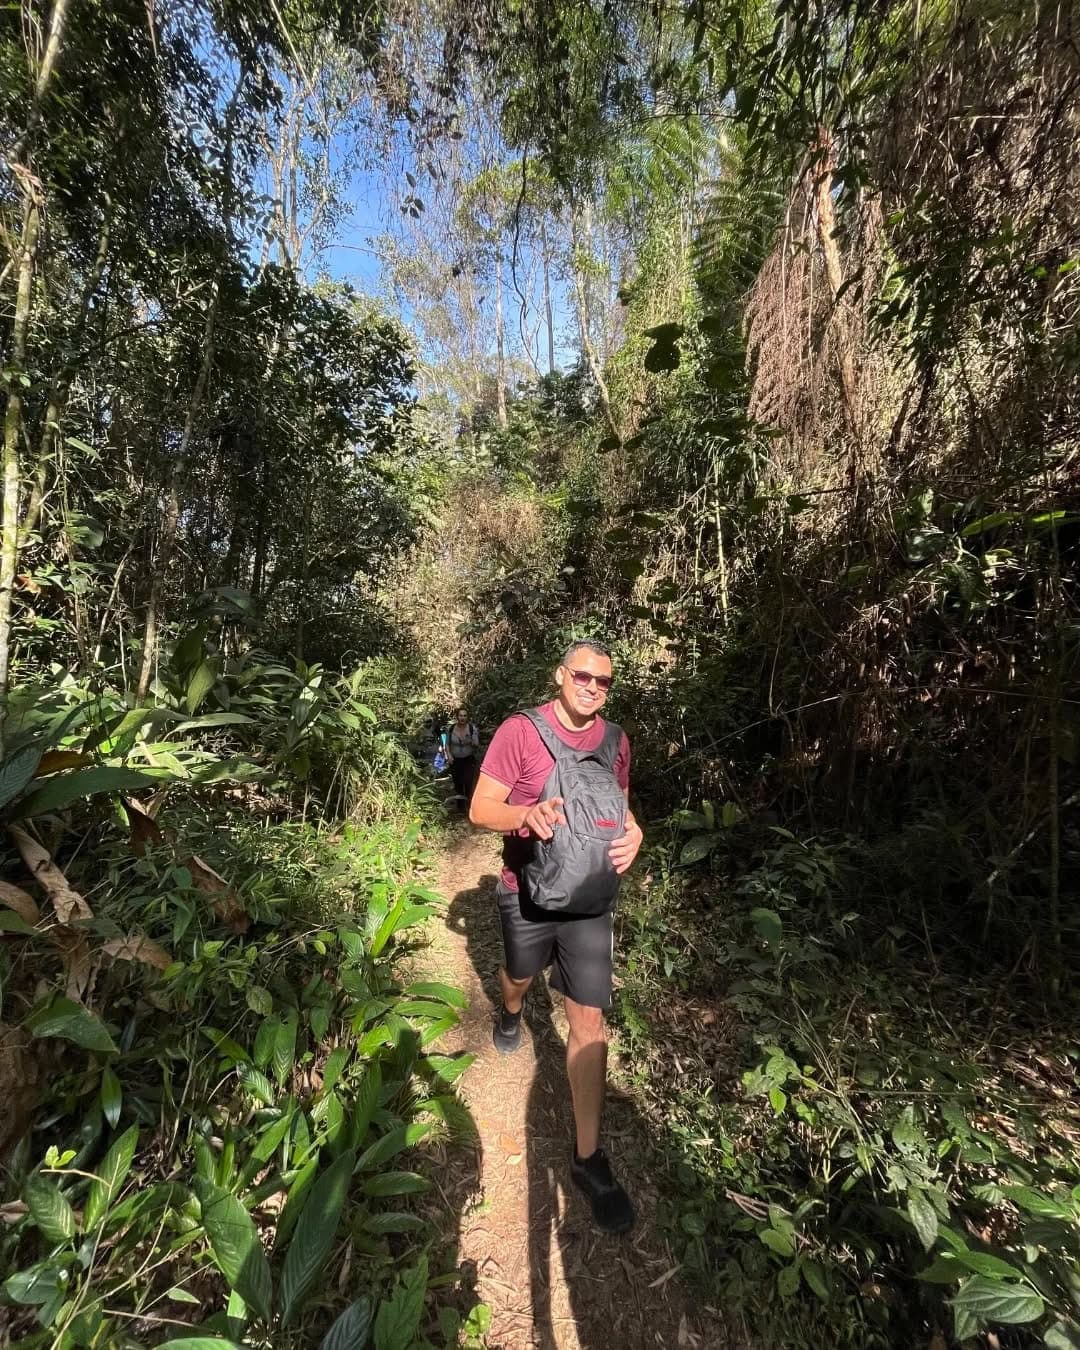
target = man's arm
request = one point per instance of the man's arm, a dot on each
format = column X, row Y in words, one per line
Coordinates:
column 491, row 810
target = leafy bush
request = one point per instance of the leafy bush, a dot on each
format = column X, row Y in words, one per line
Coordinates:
column 876, row 1149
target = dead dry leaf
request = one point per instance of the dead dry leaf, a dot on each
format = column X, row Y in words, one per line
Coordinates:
column 67, row 903
column 663, row 1279
column 509, row 1144
column 17, row 899
column 143, row 829
column 138, row 947
column 226, row 903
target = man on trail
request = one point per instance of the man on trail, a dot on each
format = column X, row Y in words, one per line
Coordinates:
column 556, row 895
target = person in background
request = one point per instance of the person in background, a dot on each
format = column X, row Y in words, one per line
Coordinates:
column 463, row 741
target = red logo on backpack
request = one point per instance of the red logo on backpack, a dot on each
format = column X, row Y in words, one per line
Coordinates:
column 607, row 824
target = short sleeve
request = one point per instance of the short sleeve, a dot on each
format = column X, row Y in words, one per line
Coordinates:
column 503, row 759
column 622, row 763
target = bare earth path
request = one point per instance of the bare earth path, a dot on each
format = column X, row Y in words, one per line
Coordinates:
column 551, row 1280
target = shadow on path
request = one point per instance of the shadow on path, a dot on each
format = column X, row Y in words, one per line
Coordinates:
column 553, row 1280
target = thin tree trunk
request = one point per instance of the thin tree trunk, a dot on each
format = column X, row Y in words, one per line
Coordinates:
column 500, row 346
column 548, row 317
column 46, row 70
column 582, row 293
column 13, row 425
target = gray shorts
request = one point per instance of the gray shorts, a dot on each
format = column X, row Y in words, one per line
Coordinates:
column 579, row 949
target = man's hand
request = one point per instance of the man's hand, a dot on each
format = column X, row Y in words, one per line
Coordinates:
column 624, row 850
column 542, row 818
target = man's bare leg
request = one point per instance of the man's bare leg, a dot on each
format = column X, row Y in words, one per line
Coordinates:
column 586, row 1067
column 513, row 991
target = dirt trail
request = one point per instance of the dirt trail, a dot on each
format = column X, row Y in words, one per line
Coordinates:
column 552, row 1281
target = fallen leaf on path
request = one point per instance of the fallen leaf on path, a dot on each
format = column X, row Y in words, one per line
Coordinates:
column 513, row 1159
column 17, row 899
column 509, row 1143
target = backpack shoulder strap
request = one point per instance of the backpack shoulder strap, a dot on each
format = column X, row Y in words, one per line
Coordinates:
column 558, row 749
column 608, row 749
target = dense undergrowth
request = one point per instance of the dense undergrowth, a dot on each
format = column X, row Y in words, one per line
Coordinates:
column 220, row 1092
column 860, row 1122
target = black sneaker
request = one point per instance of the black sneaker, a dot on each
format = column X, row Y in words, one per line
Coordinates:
column 611, row 1205
column 507, row 1033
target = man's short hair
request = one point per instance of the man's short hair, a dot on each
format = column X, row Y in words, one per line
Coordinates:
column 590, row 645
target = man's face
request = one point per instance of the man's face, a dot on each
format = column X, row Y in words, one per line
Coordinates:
column 583, row 699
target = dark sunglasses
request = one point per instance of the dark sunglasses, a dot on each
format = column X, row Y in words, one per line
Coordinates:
column 583, row 678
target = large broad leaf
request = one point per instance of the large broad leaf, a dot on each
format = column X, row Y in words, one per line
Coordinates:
column 235, row 1243
column 200, row 684
column 61, row 791
column 67, row 1020
column 443, row 992
column 396, row 1183
column 696, row 848
column 399, row 1316
column 17, row 770
column 110, row 1175
column 352, row 1328
column 49, row 1209
column 923, row 1217
column 201, row 1343
column 395, row 1141
column 367, row 1101
column 314, row 1236
column 994, row 1301
column 284, row 1056
column 768, row 924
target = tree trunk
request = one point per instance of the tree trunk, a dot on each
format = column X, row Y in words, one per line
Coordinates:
column 826, row 224
column 581, row 252
column 545, row 256
column 500, row 346
column 13, row 426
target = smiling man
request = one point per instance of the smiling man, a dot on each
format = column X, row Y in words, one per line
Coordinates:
column 562, row 856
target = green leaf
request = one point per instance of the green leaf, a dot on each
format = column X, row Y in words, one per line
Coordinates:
column 284, row 1056
column 264, row 1042
column 993, row 1301
column 111, row 1095
column 443, row 992
column 393, row 1142
column 923, row 1216
column 352, row 1328
column 10, row 922
column 111, row 1173
column 399, row 1316
column 777, row 1100
column 815, row 1277
column 1062, row 1336
column 777, row 1242
column 49, row 1209
column 396, row 1183
column 448, row 1068
column 787, row 1282
column 259, row 1000
column 234, row 1241
column 392, row 1223
column 696, row 848
column 334, row 1066
column 17, row 770
column 367, row 1100
column 67, row 1020
column 944, row 1269
column 257, row 1084
column 982, row 1263
column 200, row 684
column 768, row 924
column 314, row 1236
column 208, row 720
column 1035, row 1202
column 201, row 1343
column 65, row 788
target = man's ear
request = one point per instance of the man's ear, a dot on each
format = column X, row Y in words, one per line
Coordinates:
column 559, row 676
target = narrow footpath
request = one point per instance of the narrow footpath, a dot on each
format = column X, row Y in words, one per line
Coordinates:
column 552, row 1281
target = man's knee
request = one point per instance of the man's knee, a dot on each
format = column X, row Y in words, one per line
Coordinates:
column 587, row 1025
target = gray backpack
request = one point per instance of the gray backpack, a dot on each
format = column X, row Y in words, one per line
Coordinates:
column 571, row 873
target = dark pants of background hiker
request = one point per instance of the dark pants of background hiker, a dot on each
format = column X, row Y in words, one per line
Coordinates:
column 463, row 772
